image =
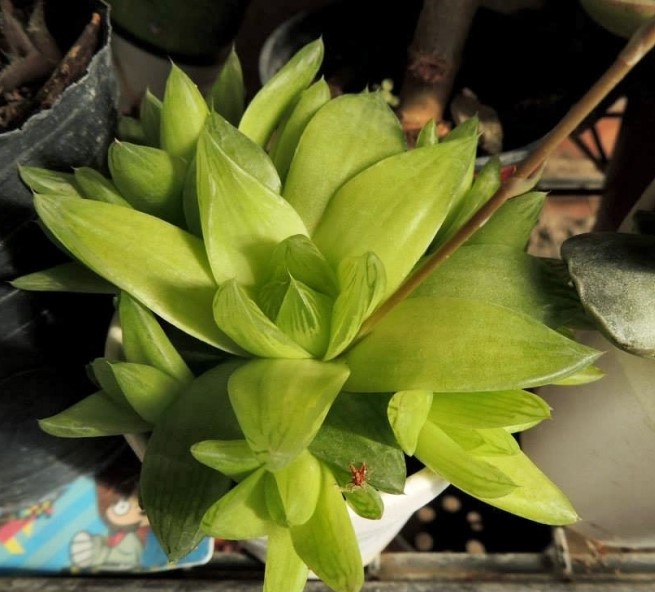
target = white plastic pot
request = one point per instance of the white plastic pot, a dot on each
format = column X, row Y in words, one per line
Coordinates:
column 600, row 445
column 373, row 535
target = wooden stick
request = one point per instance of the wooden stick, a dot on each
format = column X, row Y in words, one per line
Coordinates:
column 638, row 46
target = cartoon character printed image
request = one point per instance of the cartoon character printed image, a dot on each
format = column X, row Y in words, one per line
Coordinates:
column 122, row 548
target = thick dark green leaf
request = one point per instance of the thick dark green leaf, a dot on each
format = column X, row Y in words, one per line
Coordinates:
column 310, row 101
column 463, row 469
column 66, row 277
column 356, row 432
column 241, row 513
column 614, row 275
column 362, row 284
column 175, row 488
column 285, row 571
column 458, row 345
column 157, row 263
column 242, row 219
column 506, row 276
column 501, row 409
column 150, row 179
column 227, row 94
column 230, row 457
column 97, row 415
column 94, row 185
column 278, row 94
column 407, row 412
column 365, row 501
column 327, row 543
column 281, row 404
column 395, row 207
column 345, row 136
column 513, row 223
column 145, row 342
column 240, row 317
column 183, row 115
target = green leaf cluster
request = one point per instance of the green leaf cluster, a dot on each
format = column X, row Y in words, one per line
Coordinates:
column 272, row 232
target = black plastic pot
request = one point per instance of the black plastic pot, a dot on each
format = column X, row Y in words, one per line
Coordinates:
column 47, row 339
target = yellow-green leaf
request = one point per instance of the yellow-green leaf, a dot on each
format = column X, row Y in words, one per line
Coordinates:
column 227, row 94
column 239, row 317
column 41, row 180
column 242, row 219
column 150, row 118
column 94, row 185
column 183, row 115
column 327, row 543
column 274, row 98
column 345, row 136
column 281, row 404
column 159, row 264
column 230, row 457
column 285, row 571
column 66, row 277
column 407, row 412
column 408, row 195
column 458, row 345
column 298, row 485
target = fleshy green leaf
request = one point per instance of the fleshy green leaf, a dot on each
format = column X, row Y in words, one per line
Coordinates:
column 489, row 442
column 304, row 315
column 362, row 284
column 239, row 239
column 230, row 457
column 150, row 179
column 281, row 404
column 97, row 415
column 175, row 488
column 327, row 543
column 506, row 276
column 145, row 342
column 484, row 186
column 298, row 485
column 285, row 571
column 157, row 263
column 101, row 369
column 41, row 180
column 584, row 376
column 536, row 497
column 614, row 275
column 278, row 94
column 240, row 317
column 297, row 256
column 407, row 412
column 130, row 129
column 183, row 115
column 227, row 94
column 439, row 452
column 428, row 135
column 311, row 100
column 365, row 501
column 458, row 345
column 241, row 513
column 150, row 118
column 149, row 390
column 247, row 155
column 408, row 195
column 345, row 136
column 190, row 204
column 513, row 223
column 66, row 277
column 356, row 432
column 94, row 185
column 501, row 409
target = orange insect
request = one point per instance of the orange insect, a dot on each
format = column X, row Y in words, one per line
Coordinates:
column 358, row 475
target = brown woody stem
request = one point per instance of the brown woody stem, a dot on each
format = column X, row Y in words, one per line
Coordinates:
column 637, row 47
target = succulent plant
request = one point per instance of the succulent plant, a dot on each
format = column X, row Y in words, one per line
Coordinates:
column 276, row 238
